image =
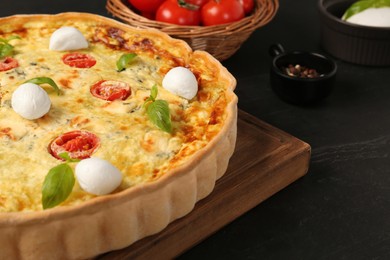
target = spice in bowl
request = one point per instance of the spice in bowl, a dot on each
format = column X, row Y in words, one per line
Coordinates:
column 301, row 71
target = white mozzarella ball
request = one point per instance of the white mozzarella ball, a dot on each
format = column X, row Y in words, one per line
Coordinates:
column 181, row 81
column 98, row 176
column 376, row 17
column 67, row 39
column 30, row 101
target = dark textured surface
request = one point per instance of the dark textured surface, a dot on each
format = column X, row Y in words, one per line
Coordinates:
column 341, row 208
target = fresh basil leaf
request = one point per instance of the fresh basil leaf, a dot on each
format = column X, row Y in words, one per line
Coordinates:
column 158, row 113
column 152, row 97
column 153, row 92
column 57, row 185
column 45, row 80
column 362, row 5
column 67, row 158
column 7, row 49
column 124, row 61
column 13, row 37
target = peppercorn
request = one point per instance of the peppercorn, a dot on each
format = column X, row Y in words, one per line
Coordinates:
column 301, row 71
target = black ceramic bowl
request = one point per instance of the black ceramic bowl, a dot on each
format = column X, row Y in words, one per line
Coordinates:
column 349, row 42
column 297, row 90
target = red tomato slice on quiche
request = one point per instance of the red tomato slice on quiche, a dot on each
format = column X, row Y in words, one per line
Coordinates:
column 79, row 60
column 111, row 90
column 8, row 63
column 78, row 144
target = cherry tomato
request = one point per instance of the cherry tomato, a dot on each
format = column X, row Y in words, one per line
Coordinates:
column 8, row 63
column 110, row 90
column 78, row 144
column 221, row 12
column 150, row 16
column 79, row 60
column 147, row 6
column 248, row 5
column 199, row 3
column 172, row 12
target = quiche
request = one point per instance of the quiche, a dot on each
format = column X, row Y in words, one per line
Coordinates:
column 107, row 133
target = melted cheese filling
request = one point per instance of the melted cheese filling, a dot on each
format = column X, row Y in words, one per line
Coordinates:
column 129, row 140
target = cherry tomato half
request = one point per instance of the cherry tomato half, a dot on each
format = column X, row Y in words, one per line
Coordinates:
column 79, row 60
column 248, row 5
column 221, row 12
column 147, row 6
column 110, row 90
column 171, row 12
column 8, row 63
column 78, row 144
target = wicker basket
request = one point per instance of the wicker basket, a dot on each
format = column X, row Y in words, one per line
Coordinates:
column 222, row 41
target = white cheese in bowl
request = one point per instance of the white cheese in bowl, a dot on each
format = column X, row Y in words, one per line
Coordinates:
column 376, row 17
column 66, row 39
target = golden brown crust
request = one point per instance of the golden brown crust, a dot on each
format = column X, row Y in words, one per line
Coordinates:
column 117, row 220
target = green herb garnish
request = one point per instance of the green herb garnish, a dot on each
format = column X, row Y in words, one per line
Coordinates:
column 45, row 80
column 362, row 5
column 58, row 183
column 7, row 49
column 158, row 111
column 124, row 61
column 67, row 158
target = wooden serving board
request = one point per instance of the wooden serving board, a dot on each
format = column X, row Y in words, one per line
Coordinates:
column 265, row 161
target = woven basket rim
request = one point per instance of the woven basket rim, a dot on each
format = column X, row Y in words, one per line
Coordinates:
column 264, row 11
column 221, row 41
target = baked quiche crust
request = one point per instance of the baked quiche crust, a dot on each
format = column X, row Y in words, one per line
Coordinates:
column 94, row 225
